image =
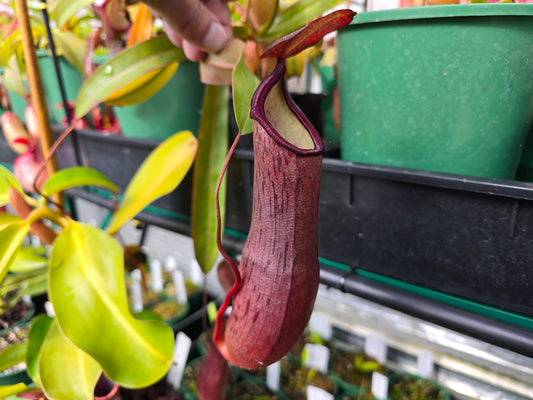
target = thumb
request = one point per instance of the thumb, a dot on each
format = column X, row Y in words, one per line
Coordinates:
column 192, row 21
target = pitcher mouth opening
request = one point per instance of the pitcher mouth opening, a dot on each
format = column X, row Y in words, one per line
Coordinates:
column 274, row 109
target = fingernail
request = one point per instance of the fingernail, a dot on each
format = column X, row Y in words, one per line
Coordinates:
column 216, row 37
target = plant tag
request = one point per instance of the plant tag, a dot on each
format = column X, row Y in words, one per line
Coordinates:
column 179, row 360
column 380, row 386
column 136, row 291
column 195, row 273
column 49, row 308
column 425, row 364
column 321, row 325
column 316, row 393
column 170, row 264
column 375, row 347
column 179, row 284
column 316, row 356
column 273, row 373
column 156, row 274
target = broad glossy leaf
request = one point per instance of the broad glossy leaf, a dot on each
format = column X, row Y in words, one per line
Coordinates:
column 70, row 46
column 212, row 150
column 12, row 355
column 63, row 10
column 13, row 230
column 147, row 90
column 124, row 68
column 159, row 174
column 76, row 176
column 308, row 36
column 296, row 16
column 12, row 390
column 7, row 180
column 39, row 329
column 244, row 85
column 65, row 371
column 88, row 291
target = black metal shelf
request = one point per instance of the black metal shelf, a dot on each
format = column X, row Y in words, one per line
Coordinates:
column 450, row 249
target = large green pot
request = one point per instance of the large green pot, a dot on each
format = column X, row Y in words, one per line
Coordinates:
column 176, row 107
column 72, row 81
column 441, row 88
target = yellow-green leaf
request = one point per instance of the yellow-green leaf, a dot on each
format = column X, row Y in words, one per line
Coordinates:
column 12, row 355
column 147, row 90
column 7, row 180
column 12, row 390
column 159, row 174
column 38, row 331
column 296, row 16
column 124, row 68
column 244, row 85
column 212, row 150
column 76, row 176
column 65, row 371
column 72, row 47
column 63, row 10
column 88, row 291
column 13, row 230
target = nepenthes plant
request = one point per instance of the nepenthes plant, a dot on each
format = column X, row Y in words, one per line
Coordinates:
column 277, row 279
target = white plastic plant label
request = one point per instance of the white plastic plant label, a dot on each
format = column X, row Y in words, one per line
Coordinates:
column 195, row 273
column 170, row 264
column 179, row 284
column 49, row 308
column 321, row 325
column 376, row 347
column 316, row 393
column 425, row 364
column 316, row 356
column 136, row 291
column 156, row 275
column 182, row 348
column 273, row 373
column 380, row 386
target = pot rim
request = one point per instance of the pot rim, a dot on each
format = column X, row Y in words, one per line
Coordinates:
column 443, row 11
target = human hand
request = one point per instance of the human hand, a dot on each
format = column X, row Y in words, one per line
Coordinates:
column 198, row 26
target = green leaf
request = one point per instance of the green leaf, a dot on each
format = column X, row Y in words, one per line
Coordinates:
column 124, row 68
column 212, row 149
column 296, row 16
column 12, row 355
column 159, row 174
column 63, row 10
column 13, row 230
column 72, row 47
column 76, row 176
column 12, row 390
column 28, row 259
column 88, row 291
column 65, row 371
column 7, row 180
column 39, row 329
column 244, row 85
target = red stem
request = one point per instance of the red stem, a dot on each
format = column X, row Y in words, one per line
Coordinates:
column 234, row 266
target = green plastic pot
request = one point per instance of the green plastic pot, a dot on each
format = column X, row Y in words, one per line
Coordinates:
column 72, row 80
column 441, row 88
column 176, row 107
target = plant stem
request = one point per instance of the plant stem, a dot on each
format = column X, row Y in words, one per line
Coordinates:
column 36, row 85
column 46, row 213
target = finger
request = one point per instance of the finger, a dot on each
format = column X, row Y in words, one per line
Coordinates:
column 193, row 21
column 192, row 52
